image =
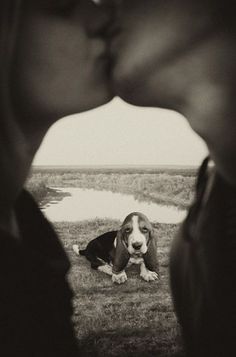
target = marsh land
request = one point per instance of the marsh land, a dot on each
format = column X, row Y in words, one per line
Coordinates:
column 136, row 318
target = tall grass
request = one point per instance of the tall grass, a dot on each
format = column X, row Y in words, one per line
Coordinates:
column 37, row 186
column 163, row 188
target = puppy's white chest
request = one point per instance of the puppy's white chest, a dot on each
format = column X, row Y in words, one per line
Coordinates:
column 133, row 260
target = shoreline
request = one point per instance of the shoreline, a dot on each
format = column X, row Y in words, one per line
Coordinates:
column 52, row 195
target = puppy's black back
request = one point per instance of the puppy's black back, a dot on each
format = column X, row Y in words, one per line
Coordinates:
column 99, row 247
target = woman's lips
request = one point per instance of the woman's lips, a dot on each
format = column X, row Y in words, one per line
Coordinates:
column 102, row 47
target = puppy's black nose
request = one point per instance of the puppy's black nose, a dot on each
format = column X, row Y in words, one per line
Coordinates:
column 137, row 245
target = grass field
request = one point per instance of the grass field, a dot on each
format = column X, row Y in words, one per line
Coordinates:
column 136, row 318
column 169, row 187
column 130, row 320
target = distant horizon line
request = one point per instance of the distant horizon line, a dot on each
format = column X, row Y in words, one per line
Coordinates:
column 118, row 165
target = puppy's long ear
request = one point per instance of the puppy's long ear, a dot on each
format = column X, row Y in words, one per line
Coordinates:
column 150, row 257
column 121, row 257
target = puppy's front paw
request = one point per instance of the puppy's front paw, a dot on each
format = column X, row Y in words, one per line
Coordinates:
column 119, row 278
column 149, row 275
column 75, row 248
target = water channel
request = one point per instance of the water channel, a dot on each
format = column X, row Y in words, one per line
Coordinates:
column 88, row 204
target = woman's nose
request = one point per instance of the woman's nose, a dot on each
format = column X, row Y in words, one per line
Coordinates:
column 107, row 2
column 104, row 16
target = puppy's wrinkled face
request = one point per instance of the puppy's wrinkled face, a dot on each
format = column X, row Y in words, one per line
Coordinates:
column 136, row 231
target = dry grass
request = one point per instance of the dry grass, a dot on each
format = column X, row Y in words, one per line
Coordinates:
column 133, row 319
column 167, row 188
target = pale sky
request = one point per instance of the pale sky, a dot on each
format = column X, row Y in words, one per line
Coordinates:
column 121, row 134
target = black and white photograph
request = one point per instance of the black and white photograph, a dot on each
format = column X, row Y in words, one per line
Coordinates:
column 118, row 178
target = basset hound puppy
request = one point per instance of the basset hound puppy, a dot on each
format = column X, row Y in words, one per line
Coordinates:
column 134, row 243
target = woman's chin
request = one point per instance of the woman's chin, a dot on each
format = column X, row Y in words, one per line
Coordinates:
column 43, row 110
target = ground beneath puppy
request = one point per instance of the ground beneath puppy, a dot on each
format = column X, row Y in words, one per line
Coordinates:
column 133, row 319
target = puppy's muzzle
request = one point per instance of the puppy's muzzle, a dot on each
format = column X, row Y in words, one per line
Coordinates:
column 137, row 245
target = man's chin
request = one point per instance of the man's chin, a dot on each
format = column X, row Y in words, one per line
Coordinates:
column 130, row 83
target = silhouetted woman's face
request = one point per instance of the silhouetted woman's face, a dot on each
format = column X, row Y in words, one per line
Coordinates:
column 53, row 62
column 61, row 59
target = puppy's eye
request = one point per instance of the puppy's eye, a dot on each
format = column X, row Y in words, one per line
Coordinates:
column 127, row 230
column 144, row 230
